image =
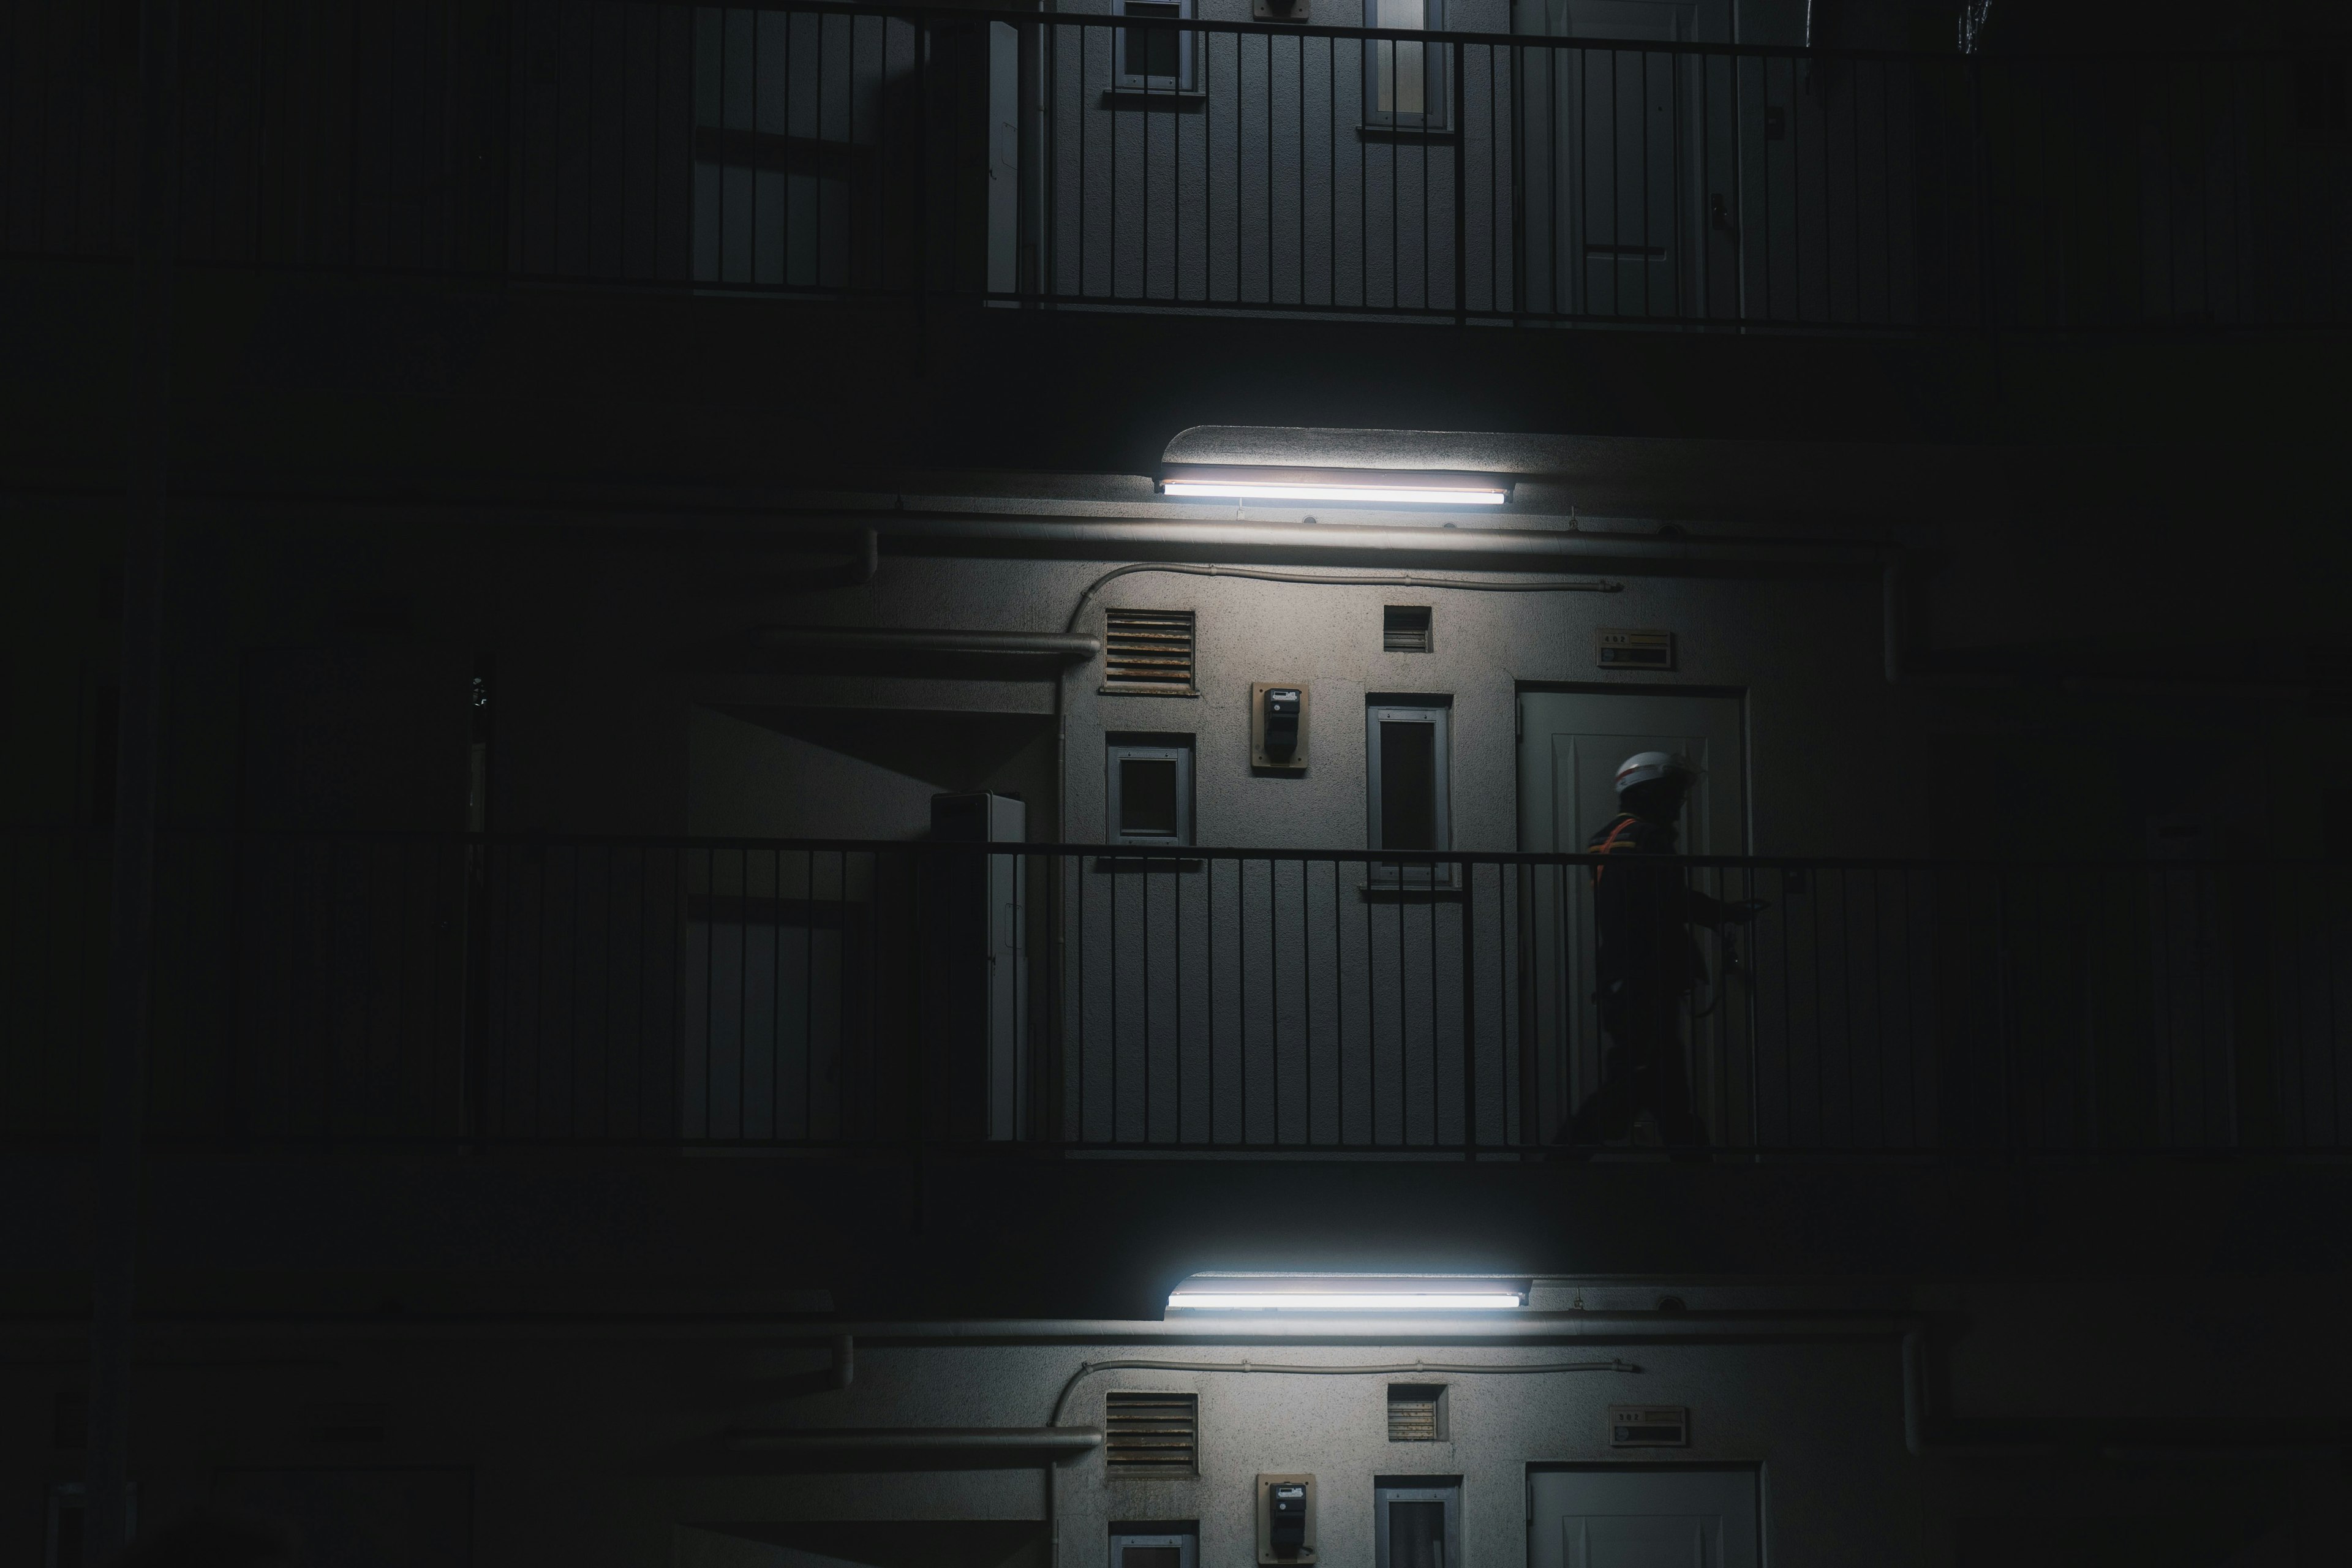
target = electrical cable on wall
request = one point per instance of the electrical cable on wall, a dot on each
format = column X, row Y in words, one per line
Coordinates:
column 1398, row 1369
column 1295, row 1368
column 1271, row 574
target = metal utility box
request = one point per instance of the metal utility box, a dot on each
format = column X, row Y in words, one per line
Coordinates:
column 977, row 996
column 1286, row 1521
column 1649, row 1426
column 1279, row 726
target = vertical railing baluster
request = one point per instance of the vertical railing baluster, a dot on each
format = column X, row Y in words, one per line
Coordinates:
column 1469, row 1012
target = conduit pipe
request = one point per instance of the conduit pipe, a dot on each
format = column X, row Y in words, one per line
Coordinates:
column 1264, row 574
column 1311, row 1369
column 1288, row 1369
column 1065, row 647
column 1525, row 549
column 1522, row 1328
column 1010, row 1448
column 1487, row 549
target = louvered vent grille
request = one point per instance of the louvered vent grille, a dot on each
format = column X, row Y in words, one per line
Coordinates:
column 1405, row 628
column 1149, row 650
column 1151, row 1433
column 1416, row 1412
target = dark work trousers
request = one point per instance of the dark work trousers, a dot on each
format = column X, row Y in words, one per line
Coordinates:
column 1641, row 1070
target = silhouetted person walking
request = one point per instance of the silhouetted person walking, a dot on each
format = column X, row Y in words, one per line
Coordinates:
column 1646, row 961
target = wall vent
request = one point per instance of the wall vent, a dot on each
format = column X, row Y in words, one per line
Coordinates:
column 1416, row 1412
column 1405, row 628
column 1151, row 1433
column 1149, row 651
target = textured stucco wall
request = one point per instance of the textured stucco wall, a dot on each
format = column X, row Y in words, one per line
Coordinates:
column 603, row 1452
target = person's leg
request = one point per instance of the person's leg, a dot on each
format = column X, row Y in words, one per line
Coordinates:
column 1669, row 1080
column 1607, row 1112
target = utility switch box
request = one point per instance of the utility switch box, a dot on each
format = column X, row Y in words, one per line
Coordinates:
column 1624, row 647
column 1279, row 10
column 1649, row 1426
column 1279, row 726
column 1285, row 1520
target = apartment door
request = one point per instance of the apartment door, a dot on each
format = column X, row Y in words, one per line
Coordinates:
column 1621, row 223
column 1644, row 1516
column 1569, row 745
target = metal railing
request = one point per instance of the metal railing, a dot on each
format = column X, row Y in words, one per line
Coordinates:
column 1134, row 162
column 683, row 994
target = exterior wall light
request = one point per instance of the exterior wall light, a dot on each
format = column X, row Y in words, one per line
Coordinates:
column 1336, row 486
column 1346, row 1293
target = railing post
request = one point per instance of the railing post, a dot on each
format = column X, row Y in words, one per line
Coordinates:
column 475, row 1032
column 922, row 186
column 2004, row 1107
column 139, row 743
column 1461, row 210
column 1980, row 141
column 917, row 1044
column 1470, row 1012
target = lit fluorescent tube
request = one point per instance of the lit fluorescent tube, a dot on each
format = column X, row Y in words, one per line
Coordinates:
column 1372, row 494
column 1341, row 1301
column 1353, row 487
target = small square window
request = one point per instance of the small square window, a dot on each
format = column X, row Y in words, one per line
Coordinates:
column 1150, row 789
column 1405, row 741
column 1155, row 1544
column 1405, row 628
column 1405, row 83
column 1156, row 59
column 1416, row 1521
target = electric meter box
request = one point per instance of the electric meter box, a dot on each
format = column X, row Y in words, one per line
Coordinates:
column 1279, row 726
column 1286, row 1521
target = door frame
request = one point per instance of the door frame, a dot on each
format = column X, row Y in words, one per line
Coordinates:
column 1756, row 1468
column 1739, row 694
column 1530, row 1097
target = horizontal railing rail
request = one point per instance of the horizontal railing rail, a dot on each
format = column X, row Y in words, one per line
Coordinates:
column 1055, row 159
column 829, row 996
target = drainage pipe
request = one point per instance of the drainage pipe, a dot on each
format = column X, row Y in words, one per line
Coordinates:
column 1915, row 1415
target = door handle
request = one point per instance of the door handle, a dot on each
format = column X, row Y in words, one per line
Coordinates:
column 1718, row 213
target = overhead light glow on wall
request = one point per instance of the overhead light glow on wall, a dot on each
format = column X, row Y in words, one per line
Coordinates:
column 1344, row 1293
column 1335, row 487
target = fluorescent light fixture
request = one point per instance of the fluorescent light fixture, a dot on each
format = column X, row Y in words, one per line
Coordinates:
column 1344, row 1293
column 1357, row 1301
column 1344, row 487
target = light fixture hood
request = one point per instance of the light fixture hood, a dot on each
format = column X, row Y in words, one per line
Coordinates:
column 1345, row 487
column 1352, row 466
column 1283, row 1292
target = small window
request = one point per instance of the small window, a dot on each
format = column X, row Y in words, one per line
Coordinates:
column 1405, row 628
column 1155, row 1544
column 1407, row 746
column 1151, row 783
column 1156, row 59
column 1405, row 83
column 1417, row 1521
column 1148, row 652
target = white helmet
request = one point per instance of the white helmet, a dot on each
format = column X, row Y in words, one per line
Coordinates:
column 1643, row 766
